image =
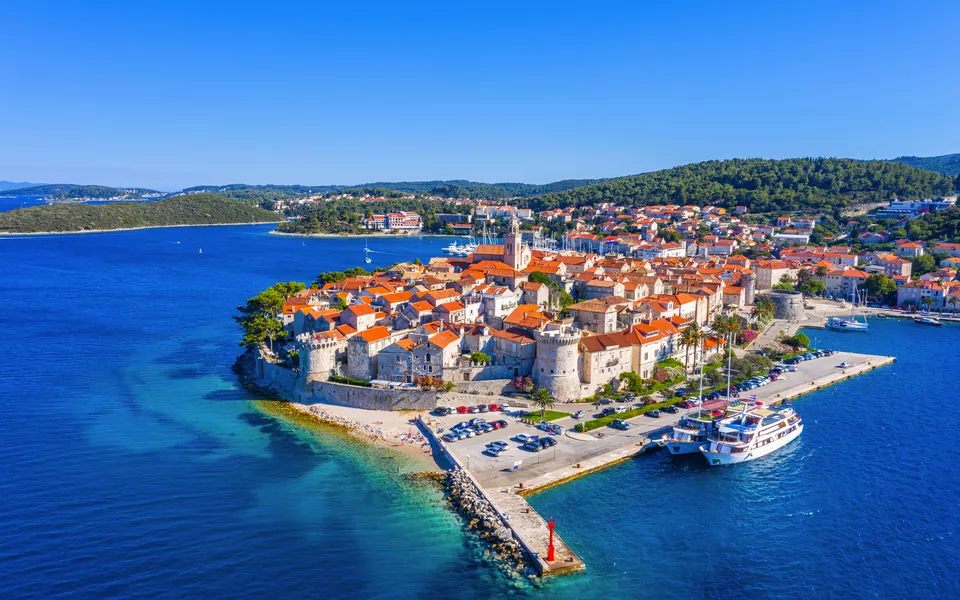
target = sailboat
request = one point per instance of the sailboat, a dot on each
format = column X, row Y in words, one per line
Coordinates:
column 366, row 253
column 851, row 324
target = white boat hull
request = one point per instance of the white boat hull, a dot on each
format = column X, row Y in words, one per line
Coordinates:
column 722, row 458
column 677, row 447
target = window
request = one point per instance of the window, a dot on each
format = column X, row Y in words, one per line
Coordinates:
column 428, row 357
column 430, row 369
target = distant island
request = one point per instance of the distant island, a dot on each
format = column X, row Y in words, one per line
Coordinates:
column 196, row 209
column 59, row 192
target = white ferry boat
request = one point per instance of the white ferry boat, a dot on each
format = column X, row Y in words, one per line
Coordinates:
column 752, row 435
column 692, row 430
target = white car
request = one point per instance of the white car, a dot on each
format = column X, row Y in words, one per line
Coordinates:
column 504, row 407
column 522, row 438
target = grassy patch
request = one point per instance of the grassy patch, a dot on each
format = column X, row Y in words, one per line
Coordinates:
column 669, row 362
column 636, row 412
column 550, row 415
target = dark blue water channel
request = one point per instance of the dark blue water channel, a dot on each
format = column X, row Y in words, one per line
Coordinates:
column 132, row 465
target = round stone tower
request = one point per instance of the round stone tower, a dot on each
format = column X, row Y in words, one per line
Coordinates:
column 318, row 357
column 557, row 366
column 749, row 281
column 787, row 304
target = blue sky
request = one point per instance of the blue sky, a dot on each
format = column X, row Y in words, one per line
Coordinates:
column 172, row 94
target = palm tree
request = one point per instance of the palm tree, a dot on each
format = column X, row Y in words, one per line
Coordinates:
column 822, row 271
column 762, row 308
column 927, row 301
column 689, row 339
column 543, row 400
column 954, row 300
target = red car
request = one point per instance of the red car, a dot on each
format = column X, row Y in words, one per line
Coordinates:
column 494, row 407
column 462, row 409
column 496, row 425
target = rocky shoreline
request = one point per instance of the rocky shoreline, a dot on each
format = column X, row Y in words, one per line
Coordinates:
column 484, row 521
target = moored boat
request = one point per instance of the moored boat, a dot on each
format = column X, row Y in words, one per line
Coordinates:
column 753, row 435
column 928, row 321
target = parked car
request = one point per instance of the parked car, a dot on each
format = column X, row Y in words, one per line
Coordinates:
column 450, row 437
column 605, row 401
column 462, row 410
column 482, row 408
column 522, row 438
column 504, row 407
column 671, row 409
column 532, row 446
column 476, row 421
column 620, row 424
column 493, row 452
column 655, row 413
column 620, row 409
column 607, row 412
column 498, row 444
column 496, row 425
column 547, row 442
column 474, row 409
column 578, row 414
column 502, row 423
column 442, row 411
column 493, row 407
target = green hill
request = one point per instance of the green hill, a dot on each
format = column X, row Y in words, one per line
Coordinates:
column 761, row 185
column 195, row 209
column 948, row 164
column 70, row 191
column 455, row 188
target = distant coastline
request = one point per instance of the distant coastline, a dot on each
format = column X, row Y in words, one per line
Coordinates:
column 80, row 232
column 365, row 235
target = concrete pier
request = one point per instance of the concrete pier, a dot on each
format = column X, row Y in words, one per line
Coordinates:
column 578, row 454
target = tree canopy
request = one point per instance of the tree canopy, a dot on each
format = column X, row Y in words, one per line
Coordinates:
column 259, row 318
column 760, row 185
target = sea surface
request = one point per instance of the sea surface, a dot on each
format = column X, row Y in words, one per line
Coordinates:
column 133, row 466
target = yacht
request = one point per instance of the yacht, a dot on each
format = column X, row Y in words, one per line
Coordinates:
column 849, row 324
column 752, row 435
column 453, row 248
column 928, row 321
column 692, row 431
column 366, row 253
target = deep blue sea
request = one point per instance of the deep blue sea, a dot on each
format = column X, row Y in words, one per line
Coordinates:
column 133, row 466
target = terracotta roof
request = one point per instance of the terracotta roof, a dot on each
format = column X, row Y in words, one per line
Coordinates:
column 375, row 333
column 444, row 338
column 605, row 341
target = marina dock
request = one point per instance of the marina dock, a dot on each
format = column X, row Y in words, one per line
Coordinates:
column 505, row 484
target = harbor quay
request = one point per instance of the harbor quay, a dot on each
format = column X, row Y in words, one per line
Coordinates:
column 507, row 479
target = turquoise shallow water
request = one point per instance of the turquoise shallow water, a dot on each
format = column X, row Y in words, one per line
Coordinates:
column 132, row 466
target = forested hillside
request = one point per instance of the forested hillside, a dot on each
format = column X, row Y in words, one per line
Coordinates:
column 69, row 191
column 948, row 164
column 760, row 185
column 197, row 209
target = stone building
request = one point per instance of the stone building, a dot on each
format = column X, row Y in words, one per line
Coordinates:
column 557, row 367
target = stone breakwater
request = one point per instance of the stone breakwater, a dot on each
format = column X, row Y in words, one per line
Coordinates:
column 481, row 518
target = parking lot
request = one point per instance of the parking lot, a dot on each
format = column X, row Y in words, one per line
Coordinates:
column 573, row 448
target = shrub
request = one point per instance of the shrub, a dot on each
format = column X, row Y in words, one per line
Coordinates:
column 660, row 375
column 524, row 384
column 797, row 341
column 480, row 357
column 429, row 382
column 350, row 381
column 747, row 336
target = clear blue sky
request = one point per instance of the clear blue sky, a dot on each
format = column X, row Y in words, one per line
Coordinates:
column 170, row 94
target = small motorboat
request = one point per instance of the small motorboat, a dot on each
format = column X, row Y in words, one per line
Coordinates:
column 928, row 321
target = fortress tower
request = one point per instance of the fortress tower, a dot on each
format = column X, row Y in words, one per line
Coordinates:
column 557, row 367
column 318, row 358
column 748, row 288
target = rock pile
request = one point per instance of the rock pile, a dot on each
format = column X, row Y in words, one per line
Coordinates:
column 480, row 516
